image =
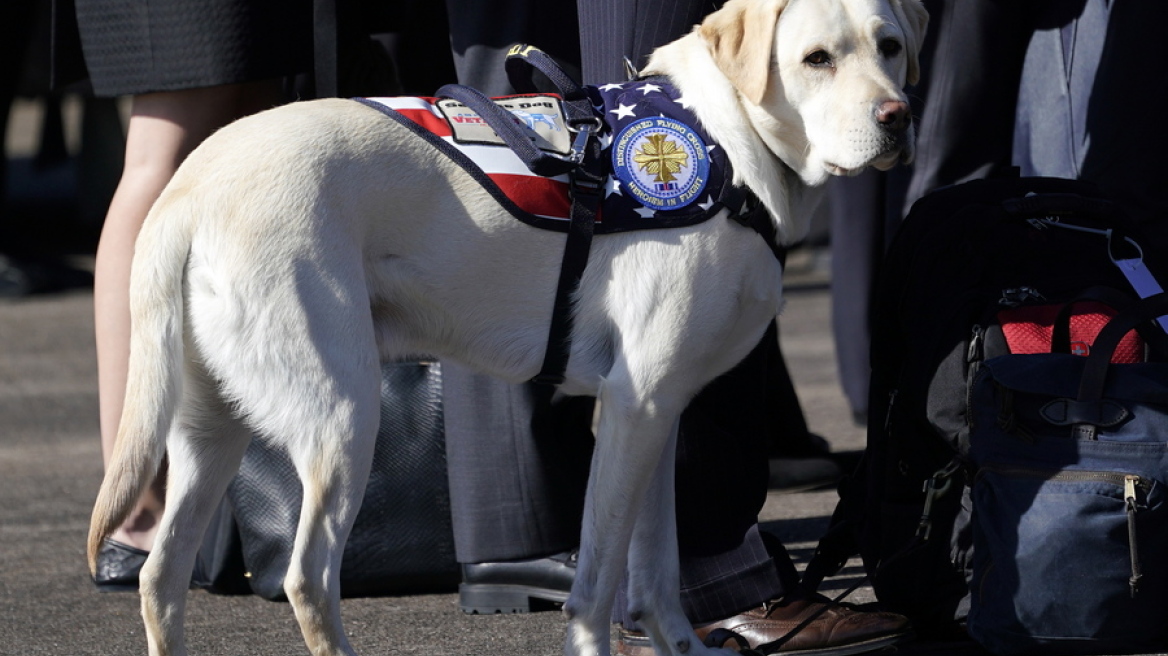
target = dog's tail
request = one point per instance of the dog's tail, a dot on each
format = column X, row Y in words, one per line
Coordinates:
column 154, row 384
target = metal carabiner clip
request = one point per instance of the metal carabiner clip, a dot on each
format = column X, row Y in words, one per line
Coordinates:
column 583, row 133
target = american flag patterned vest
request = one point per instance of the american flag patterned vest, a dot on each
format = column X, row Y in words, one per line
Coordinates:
column 663, row 170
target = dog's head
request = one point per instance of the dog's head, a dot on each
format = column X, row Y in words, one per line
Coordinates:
column 822, row 80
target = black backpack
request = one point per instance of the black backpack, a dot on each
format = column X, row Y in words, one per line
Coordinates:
column 962, row 255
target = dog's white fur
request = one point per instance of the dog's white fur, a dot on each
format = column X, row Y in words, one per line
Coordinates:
column 297, row 249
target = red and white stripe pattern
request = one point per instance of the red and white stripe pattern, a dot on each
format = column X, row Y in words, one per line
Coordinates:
column 543, row 197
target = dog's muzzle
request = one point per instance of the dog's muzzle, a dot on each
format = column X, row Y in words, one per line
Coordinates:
column 895, row 119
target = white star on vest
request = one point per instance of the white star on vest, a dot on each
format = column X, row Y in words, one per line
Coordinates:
column 648, row 88
column 624, row 111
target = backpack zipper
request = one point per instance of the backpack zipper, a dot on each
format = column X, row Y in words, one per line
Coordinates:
column 1118, row 479
column 1130, row 482
column 1132, row 485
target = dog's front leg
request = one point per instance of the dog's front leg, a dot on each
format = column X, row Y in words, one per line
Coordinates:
column 632, row 438
column 653, row 571
column 654, row 576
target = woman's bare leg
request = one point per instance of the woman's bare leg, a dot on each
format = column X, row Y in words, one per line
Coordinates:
column 164, row 128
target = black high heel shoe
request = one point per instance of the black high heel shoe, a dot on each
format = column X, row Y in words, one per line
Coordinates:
column 118, row 566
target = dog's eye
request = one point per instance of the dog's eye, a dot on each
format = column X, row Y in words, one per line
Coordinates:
column 818, row 58
column 890, row 47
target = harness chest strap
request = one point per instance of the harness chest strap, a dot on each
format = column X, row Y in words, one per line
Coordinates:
column 587, row 186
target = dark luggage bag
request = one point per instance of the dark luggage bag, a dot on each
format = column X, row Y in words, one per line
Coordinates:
column 962, row 259
column 402, row 540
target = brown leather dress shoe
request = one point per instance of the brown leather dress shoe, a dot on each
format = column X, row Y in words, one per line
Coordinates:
column 837, row 631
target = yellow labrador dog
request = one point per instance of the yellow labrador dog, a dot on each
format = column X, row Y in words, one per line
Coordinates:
column 297, row 249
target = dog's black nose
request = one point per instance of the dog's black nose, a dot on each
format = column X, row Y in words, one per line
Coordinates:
column 893, row 114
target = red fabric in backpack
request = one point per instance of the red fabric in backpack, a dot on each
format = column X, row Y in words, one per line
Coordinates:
column 1030, row 329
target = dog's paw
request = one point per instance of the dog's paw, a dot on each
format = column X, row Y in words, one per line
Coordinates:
column 585, row 641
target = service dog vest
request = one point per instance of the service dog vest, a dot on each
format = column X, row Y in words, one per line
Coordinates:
column 662, row 169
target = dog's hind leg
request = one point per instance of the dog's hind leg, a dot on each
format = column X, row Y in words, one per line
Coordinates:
column 333, row 468
column 291, row 336
column 205, row 446
column 332, row 452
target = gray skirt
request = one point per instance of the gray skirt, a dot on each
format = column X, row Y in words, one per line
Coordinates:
column 141, row 46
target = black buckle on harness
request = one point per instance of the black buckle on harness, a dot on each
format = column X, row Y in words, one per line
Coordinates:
column 583, row 185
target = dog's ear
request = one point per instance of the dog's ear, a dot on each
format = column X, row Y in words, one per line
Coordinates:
column 741, row 37
column 914, row 19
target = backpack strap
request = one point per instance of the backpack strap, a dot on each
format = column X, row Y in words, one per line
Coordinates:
column 1060, row 339
column 1094, row 380
column 841, row 540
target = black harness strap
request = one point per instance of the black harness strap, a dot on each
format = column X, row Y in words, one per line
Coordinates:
column 522, row 62
column 586, row 175
column 746, row 210
column 587, row 189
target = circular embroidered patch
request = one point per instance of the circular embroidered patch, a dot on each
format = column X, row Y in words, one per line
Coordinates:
column 661, row 162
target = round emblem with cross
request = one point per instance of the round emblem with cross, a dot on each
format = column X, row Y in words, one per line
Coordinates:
column 661, row 162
